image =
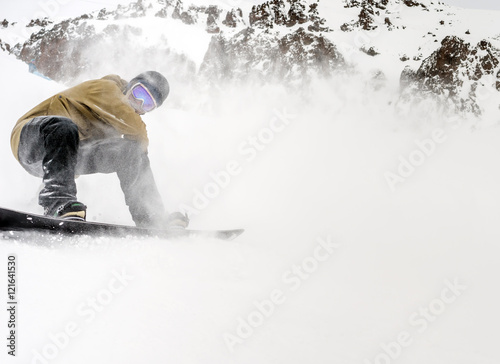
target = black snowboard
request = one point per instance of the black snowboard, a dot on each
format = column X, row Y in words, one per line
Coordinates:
column 11, row 220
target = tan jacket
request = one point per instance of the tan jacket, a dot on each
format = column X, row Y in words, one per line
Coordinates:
column 98, row 107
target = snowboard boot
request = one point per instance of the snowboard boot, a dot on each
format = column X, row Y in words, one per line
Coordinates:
column 71, row 210
column 177, row 220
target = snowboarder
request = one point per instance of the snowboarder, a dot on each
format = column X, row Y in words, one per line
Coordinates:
column 95, row 127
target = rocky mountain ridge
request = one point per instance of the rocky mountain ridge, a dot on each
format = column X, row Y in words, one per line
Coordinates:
column 285, row 41
column 454, row 74
column 62, row 51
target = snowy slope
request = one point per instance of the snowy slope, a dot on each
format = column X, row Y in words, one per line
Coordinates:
column 415, row 33
column 358, row 223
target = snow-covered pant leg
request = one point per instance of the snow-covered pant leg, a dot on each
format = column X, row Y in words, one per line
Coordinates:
column 48, row 148
column 131, row 163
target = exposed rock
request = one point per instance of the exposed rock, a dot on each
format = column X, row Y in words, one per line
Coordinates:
column 366, row 20
column 309, row 52
column 212, row 26
column 297, row 13
column 189, row 16
column 103, row 15
column 213, row 16
column 317, row 22
column 39, row 23
column 347, row 27
column 195, row 14
column 136, row 10
column 178, row 9
column 132, row 10
column 370, row 51
column 273, row 13
column 83, row 17
column 162, row 13
column 453, row 73
column 282, row 41
column 484, row 59
column 71, row 50
column 4, row 46
column 234, row 17
column 268, row 14
column 367, row 14
column 374, row 13
column 352, row 3
column 261, row 55
column 411, row 3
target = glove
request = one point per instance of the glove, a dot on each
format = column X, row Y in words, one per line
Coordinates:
column 177, row 220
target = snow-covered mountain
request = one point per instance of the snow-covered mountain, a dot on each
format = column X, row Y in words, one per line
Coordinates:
column 370, row 214
column 439, row 54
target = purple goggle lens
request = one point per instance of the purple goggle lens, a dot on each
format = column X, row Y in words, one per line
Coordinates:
column 141, row 93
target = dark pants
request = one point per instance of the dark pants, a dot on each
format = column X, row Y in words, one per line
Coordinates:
column 50, row 148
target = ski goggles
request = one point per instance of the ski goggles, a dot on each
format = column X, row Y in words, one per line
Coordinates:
column 142, row 94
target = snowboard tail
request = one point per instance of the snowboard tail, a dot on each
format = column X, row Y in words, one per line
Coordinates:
column 11, row 220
